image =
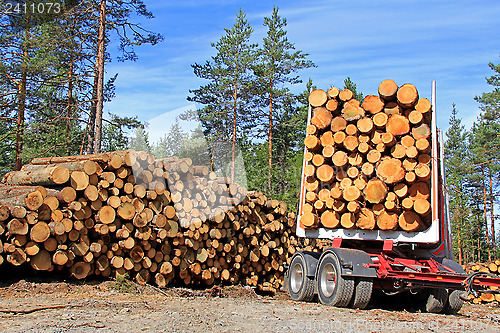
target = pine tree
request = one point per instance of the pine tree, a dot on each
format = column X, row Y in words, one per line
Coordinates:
column 277, row 69
column 456, row 181
column 22, row 73
column 114, row 135
column 171, row 143
column 490, row 101
column 140, row 139
column 225, row 117
column 115, row 16
column 486, row 145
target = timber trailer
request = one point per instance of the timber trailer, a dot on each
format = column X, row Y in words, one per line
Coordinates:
column 361, row 261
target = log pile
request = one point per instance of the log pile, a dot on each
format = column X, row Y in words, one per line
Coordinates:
column 368, row 164
column 492, row 267
column 160, row 220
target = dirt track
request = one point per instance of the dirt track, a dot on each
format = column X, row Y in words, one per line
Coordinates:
column 99, row 307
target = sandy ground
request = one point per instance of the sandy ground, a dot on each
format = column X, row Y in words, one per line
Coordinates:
column 97, row 306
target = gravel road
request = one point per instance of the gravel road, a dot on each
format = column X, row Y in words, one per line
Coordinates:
column 100, row 307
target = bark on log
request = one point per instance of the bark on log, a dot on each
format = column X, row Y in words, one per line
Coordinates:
column 87, row 166
column 55, row 175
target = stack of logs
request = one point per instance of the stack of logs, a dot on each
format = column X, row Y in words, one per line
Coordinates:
column 162, row 220
column 492, row 267
column 368, row 165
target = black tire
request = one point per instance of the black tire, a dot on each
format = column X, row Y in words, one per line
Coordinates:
column 436, row 301
column 300, row 286
column 362, row 293
column 454, row 303
column 333, row 289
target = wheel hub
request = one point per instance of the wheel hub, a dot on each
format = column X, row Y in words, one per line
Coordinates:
column 296, row 278
column 327, row 280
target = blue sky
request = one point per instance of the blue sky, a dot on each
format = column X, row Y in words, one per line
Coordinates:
column 407, row 41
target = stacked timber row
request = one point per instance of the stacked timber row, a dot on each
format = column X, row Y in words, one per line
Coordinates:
column 492, row 267
column 368, row 164
column 164, row 221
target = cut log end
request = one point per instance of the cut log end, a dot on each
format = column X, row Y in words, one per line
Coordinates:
column 398, row 125
column 375, row 191
column 373, row 104
column 390, row 170
column 317, row 97
column 407, row 95
column 322, row 118
column 410, row 221
column 388, row 89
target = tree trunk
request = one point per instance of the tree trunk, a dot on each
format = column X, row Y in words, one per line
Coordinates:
column 89, row 131
column 270, row 141
column 235, row 110
column 100, row 78
column 492, row 215
column 69, row 106
column 485, row 209
column 459, row 234
column 21, row 105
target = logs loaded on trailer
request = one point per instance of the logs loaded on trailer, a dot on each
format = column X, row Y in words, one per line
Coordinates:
column 159, row 220
column 368, row 163
column 491, row 267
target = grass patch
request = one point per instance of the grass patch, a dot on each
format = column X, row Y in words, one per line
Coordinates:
column 123, row 284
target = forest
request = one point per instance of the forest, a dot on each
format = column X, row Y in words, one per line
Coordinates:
column 53, row 89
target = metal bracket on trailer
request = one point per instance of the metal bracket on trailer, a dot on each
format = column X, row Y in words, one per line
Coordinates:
column 353, row 262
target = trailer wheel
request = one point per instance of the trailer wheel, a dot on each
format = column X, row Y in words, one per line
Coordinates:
column 362, row 293
column 436, row 301
column 300, row 286
column 454, row 303
column 333, row 289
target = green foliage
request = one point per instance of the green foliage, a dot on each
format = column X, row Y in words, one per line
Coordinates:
column 225, row 115
column 456, row 155
column 276, row 70
column 171, row 144
column 47, row 78
column 140, row 139
column 288, row 151
column 124, row 285
column 473, row 177
column 114, row 135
